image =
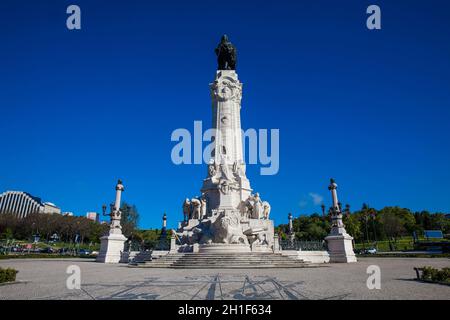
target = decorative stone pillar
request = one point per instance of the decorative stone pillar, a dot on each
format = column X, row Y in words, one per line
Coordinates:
column 112, row 245
column 291, row 229
column 340, row 243
column 164, row 226
column 276, row 243
column 173, row 243
column 162, row 245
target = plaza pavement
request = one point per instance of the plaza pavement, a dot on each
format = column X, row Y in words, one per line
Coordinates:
column 46, row 279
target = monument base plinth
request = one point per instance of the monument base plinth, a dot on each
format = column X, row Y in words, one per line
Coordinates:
column 262, row 248
column 223, row 248
column 111, row 248
column 340, row 248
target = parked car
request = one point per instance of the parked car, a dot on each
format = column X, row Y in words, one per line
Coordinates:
column 366, row 251
column 65, row 251
column 48, row 250
column 371, row 251
column 84, row 252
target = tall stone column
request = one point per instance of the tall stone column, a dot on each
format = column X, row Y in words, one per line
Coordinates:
column 119, row 190
column 340, row 243
column 112, row 245
column 291, row 229
column 116, row 214
column 333, row 188
column 164, row 221
column 226, row 185
column 164, row 227
column 226, row 217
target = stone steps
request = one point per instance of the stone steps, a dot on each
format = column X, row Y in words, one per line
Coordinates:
column 223, row 261
column 141, row 257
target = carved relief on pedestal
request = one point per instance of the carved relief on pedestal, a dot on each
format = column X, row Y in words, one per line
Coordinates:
column 226, row 88
column 239, row 169
column 212, row 170
column 227, row 171
column 225, row 187
column 196, row 208
column 186, row 209
column 227, row 229
column 255, row 208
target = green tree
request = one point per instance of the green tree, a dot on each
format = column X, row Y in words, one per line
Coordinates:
column 440, row 222
column 130, row 218
column 393, row 224
column 315, row 232
column 8, row 234
column 353, row 226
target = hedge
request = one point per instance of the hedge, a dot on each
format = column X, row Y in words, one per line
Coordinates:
column 436, row 275
column 7, row 275
column 43, row 256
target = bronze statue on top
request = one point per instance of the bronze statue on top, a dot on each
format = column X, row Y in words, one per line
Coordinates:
column 226, row 55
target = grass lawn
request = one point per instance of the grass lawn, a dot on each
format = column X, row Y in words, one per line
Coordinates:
column 55, row 245
column 39, row 256
column 401, row 244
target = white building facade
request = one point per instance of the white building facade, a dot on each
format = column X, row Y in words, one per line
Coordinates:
column 22, row 204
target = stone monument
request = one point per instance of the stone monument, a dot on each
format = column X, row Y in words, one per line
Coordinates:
column 340, row 243
column 291, row 233
column 112, row 245
column 226, row 217
column 164, row 226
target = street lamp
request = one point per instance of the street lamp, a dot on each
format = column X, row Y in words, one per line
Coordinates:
column 32, row 231
column 347, row 210
column 366, row 218
column 373, row 214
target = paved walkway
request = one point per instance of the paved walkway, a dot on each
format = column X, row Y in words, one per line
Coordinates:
column 46, row 279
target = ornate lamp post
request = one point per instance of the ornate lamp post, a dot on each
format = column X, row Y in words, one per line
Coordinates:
column 340, row 243
column 291, row 229
column 162, row 244
column 366, row 219
column 112, row 245
column 347, row 210
column 337, row 226
column 164, row 226
column 373, row 215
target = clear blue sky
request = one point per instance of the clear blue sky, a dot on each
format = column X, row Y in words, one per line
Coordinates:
column 80, row 109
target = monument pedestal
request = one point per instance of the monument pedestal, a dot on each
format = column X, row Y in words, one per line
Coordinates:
column 111, row 248
column 340, row 243
column 226, row 218
column 340, row 248
column 261, row 248
column 222, row 248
